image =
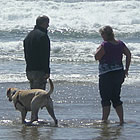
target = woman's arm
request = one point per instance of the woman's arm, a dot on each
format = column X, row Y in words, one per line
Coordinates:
column 128, row 59
column 99, row 53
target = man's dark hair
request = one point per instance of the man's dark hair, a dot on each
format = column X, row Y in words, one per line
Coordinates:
column 41, row 19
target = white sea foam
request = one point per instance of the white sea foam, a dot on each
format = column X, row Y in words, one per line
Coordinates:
column 72, row 16
column 78, row 16
column 73, row 51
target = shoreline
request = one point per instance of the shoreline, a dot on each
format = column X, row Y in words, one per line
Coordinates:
column 60, row 82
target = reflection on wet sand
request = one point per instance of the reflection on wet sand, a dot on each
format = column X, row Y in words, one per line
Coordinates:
column 109, row 132
column 36, row 132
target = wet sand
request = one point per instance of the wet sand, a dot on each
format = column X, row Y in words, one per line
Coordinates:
column 77, row 107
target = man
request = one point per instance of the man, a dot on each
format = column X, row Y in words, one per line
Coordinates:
column 37, row 54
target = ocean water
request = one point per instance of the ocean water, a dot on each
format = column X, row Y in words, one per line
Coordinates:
column 73, row 31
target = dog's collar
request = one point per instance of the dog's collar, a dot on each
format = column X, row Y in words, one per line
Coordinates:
column 14, row 92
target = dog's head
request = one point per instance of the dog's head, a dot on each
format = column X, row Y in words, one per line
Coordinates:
column 10, row 93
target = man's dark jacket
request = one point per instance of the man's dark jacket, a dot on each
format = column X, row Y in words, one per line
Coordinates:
column 37, row 50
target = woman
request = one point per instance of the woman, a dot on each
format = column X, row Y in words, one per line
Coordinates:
column 111, row 71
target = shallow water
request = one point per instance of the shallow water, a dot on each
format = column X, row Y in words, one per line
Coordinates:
column 78, row 110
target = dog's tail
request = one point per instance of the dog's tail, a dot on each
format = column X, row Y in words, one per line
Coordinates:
column 51, row 87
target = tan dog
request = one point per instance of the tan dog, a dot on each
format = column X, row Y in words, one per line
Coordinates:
column 32, row 100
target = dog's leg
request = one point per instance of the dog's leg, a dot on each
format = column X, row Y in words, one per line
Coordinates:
column 34, row 109
column 51, row 111
column 34, row 115
column 23, row 115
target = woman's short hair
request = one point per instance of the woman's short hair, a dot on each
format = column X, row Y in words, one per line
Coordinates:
column 108, row 31
column 41, row 19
